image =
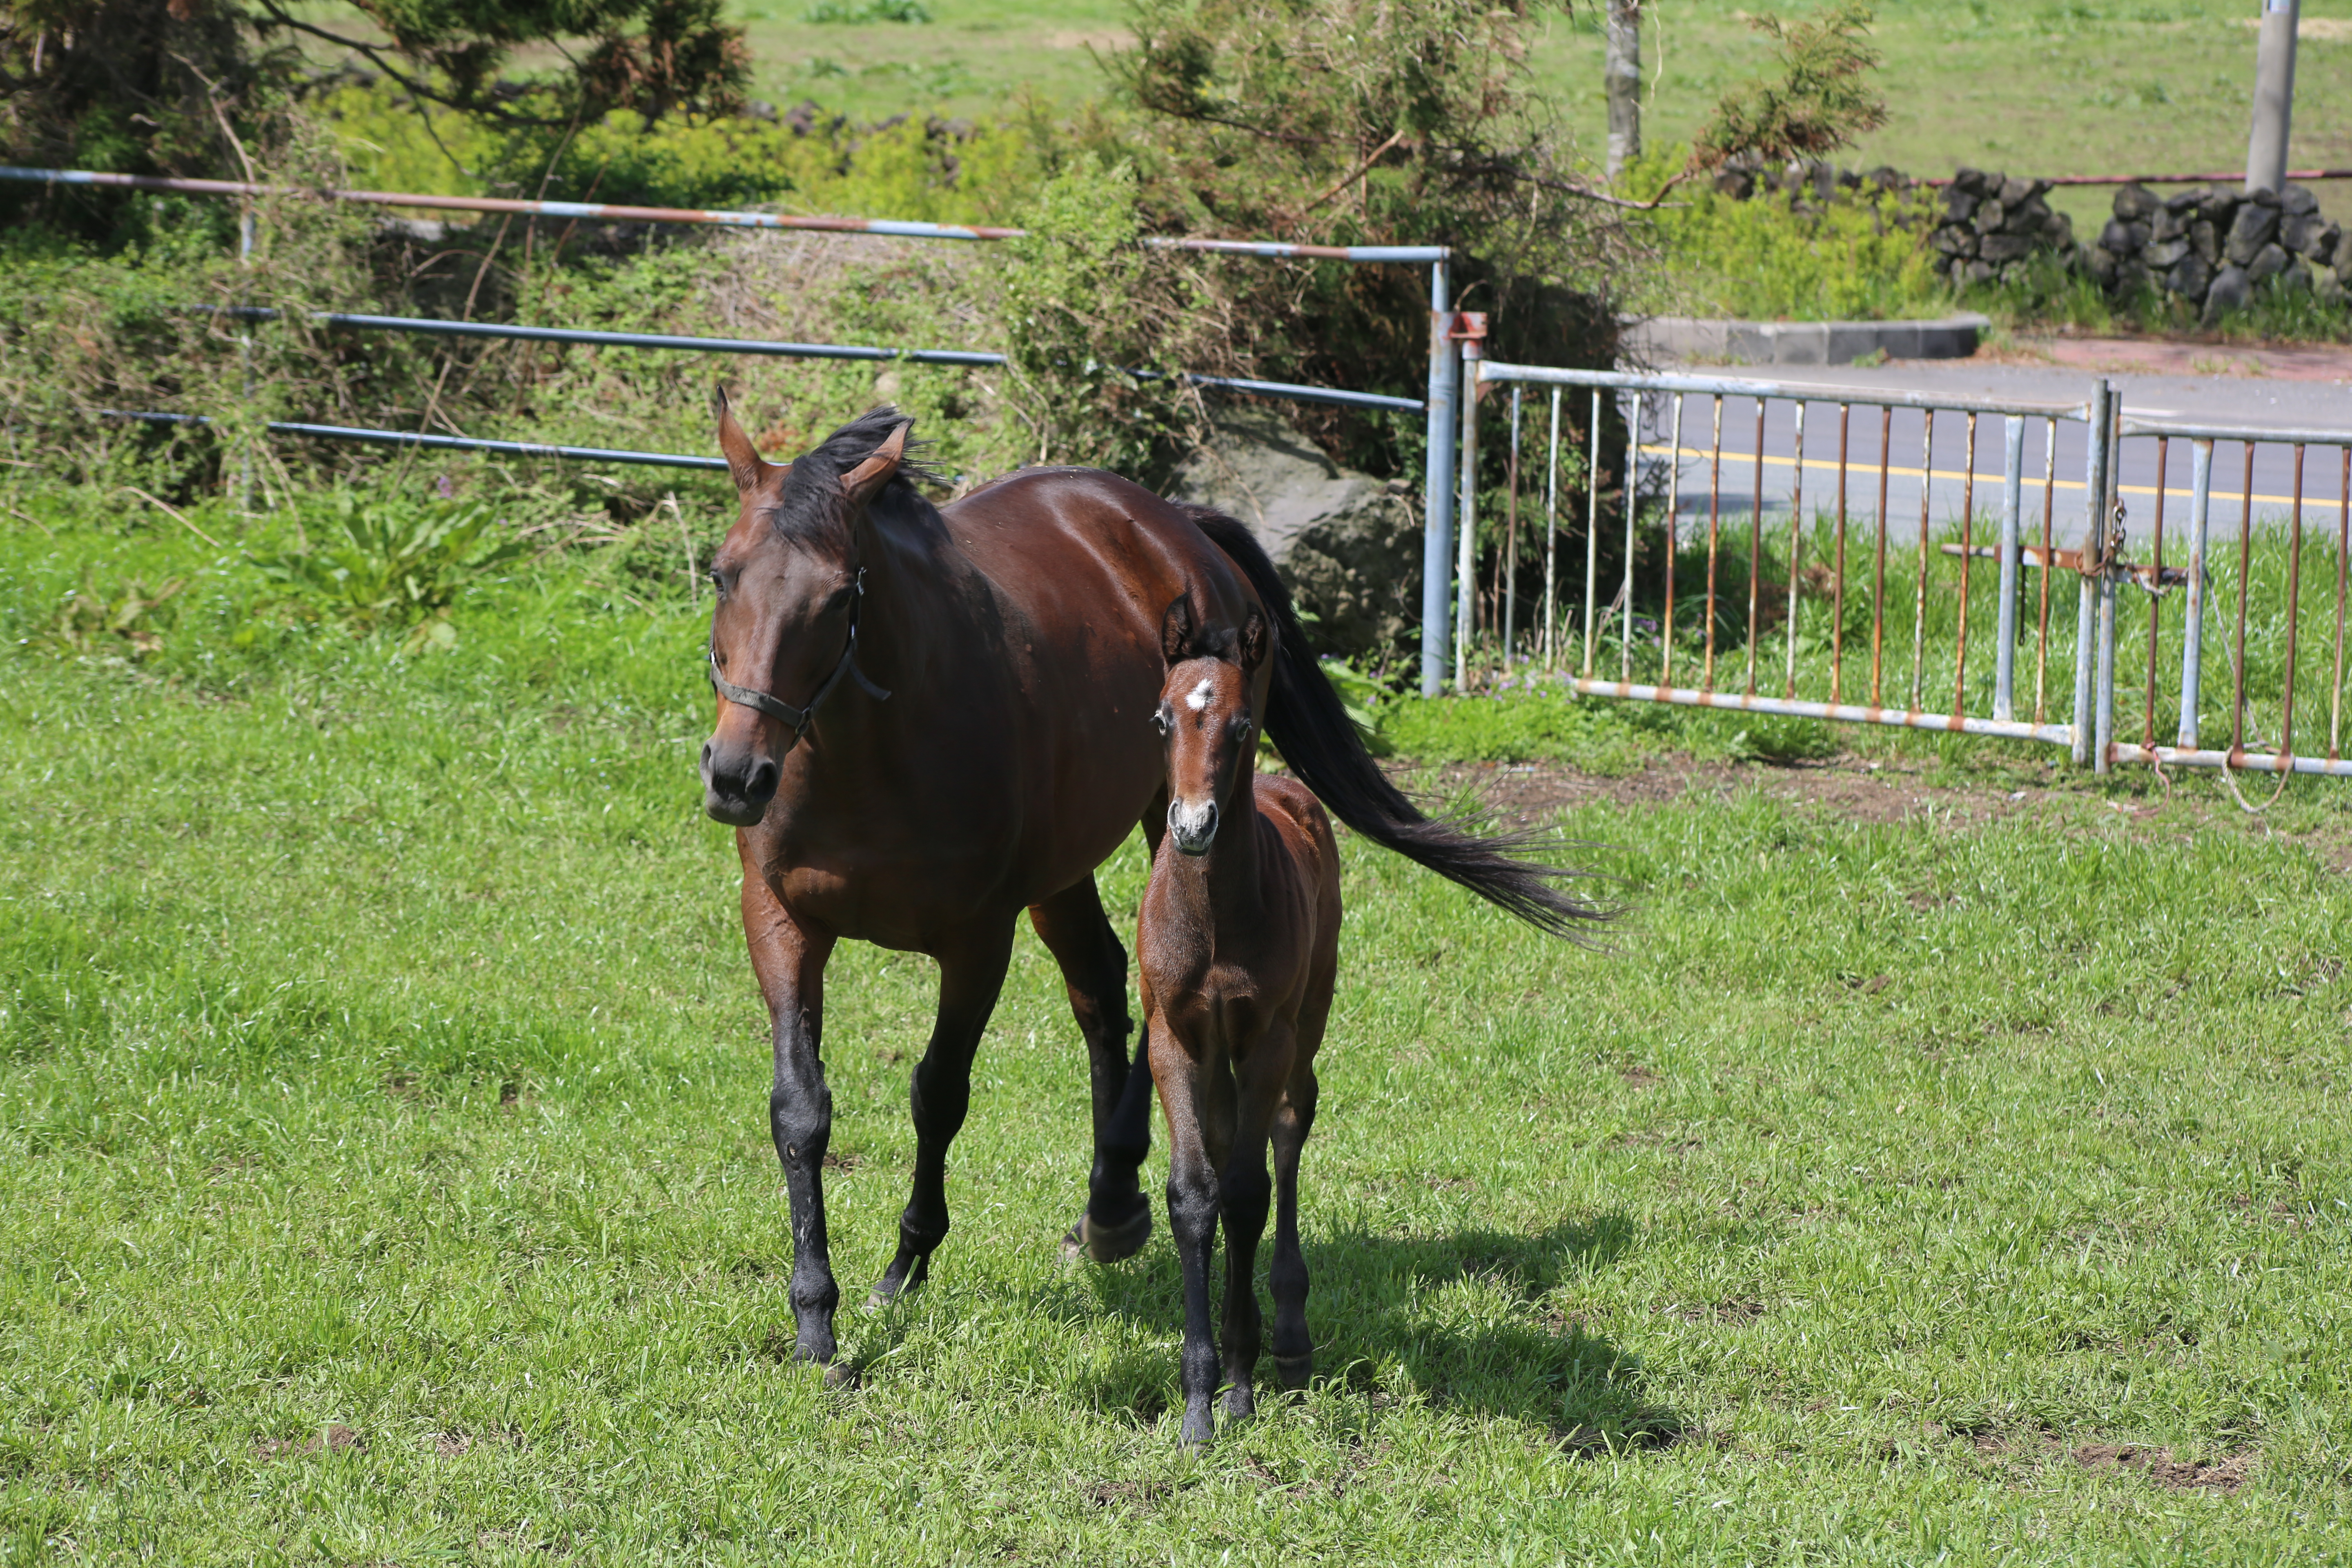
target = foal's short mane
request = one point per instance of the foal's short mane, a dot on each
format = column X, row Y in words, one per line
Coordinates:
column 811, row 488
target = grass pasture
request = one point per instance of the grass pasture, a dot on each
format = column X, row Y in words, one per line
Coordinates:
column 384, row 1171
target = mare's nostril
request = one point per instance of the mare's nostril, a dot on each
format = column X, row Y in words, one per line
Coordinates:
column 762, row 784
column 706, row 758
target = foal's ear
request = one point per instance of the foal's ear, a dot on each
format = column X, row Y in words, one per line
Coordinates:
column 1254, row 639
column 743, row 460
column 861, row 483
column 1176, row 629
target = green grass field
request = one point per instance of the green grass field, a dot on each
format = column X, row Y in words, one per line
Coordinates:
column 386, row 1176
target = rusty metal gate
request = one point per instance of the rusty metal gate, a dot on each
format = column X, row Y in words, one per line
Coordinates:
column 1911, row 581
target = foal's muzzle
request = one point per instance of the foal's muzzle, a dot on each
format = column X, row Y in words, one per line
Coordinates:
column 1195, row 827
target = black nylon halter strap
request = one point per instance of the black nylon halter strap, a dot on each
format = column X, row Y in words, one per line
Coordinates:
column 800, row 718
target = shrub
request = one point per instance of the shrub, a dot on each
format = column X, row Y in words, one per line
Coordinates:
column 387, row 564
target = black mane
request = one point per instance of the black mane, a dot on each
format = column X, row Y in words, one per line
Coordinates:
column 814, row 478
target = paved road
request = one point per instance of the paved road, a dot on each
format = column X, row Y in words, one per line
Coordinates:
column 2226, row 400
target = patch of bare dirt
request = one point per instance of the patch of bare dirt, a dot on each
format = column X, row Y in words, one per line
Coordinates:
column 2175, row 1475
column 1530, row 794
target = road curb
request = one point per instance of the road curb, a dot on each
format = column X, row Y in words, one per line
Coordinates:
column 1660, row 338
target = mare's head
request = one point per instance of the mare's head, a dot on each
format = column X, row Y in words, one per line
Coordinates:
column 788, row 587
column 1211, row 734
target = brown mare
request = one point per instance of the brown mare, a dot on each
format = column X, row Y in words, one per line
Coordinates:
column 1238, row 941
column 933, row 718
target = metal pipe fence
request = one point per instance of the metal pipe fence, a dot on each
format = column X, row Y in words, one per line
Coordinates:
column 1908, row 537
column 1445, row 360
column 1871, row 612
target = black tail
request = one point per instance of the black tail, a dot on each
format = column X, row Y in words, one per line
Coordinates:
column 1307, row 719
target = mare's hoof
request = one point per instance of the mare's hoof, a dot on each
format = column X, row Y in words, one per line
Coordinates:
column 1241, row 1403
column 1198, row 1430
column 1295, row 1370
column 1109, row 1242
column 841, row 1374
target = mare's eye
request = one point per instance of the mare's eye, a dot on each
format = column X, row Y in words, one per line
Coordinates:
column 718, row 582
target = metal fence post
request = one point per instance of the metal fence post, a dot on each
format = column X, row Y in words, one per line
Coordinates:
column 1437, row 487
column 1465, row 528
column 2013, row 491
column 2192, row 628
column 2098, row 443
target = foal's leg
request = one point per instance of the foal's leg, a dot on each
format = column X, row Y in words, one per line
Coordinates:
column 1244, row 1189
column 1294, row 1350
column 789, row 961
column 1073, row 927
column 972, row 972
column 1197, row 1100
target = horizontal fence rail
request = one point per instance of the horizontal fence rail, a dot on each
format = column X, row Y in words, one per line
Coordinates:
column 443, row 443
column 433, row 325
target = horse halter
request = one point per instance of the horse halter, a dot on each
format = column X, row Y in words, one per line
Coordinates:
column 800, row 718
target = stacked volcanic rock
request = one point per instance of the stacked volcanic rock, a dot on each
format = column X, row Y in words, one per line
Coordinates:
column 1992, row 223
column 2212, row 247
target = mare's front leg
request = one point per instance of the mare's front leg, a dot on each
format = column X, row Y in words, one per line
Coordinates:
column 1196, row 1097
column 971, row 972
column 1116, row 1221
column 789, row 959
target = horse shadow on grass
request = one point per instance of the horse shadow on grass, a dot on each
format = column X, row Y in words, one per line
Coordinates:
column 1471, row 1318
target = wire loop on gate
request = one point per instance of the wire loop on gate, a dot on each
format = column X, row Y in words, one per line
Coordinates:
column 2243, row 805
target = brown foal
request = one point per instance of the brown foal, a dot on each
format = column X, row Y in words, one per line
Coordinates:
column 1239, row 944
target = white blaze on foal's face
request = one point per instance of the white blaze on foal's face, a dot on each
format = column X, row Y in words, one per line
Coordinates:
column 1199, row 696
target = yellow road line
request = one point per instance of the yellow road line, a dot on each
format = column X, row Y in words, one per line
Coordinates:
column 1956, row 476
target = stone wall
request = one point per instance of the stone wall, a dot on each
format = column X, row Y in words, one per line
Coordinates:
column 2213, row 246
column 1994, row 224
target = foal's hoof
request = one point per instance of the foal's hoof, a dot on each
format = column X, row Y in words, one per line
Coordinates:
column 841, row 1374
column 1109, row 1242
column 1295, row 1370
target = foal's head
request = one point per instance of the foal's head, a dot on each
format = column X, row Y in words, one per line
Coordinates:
column 788, row 587
column 1204, row 713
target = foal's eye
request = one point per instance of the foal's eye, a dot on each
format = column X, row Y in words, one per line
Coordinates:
column 1160, row 720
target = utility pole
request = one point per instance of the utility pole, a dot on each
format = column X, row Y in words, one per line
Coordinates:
column 2274, row 98
column 1620, row 76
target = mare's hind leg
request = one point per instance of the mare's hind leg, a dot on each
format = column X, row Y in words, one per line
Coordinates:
column 972, row 972
column 1294, row 1350
column 1073, row 928
column 789, row 963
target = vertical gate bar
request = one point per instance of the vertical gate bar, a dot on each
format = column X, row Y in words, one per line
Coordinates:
column 1796, row 545
column 1919, row 596
column 1508, row 568
column 1878, row 581
column 1756, row 548
column 2245, row 563
column 1714, row 537
column 2155, row 598
column 1465, row 531
column 2105, row 721
column 1837, row 607
column 1437, row 487
column 2294, row 616
column 1551, row 542
column 2097, row 446
column 2343, row 539
column 2192, row 613
column 1675, row 544
column 2042, row 633
column 2013, row 493
column 1640, row 404
column 1967, row 553
column 1592, row 526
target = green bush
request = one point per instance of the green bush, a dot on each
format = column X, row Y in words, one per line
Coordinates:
column 1861, row 256
column 389, row 565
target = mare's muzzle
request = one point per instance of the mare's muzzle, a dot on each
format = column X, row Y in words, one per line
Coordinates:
column 738, row 779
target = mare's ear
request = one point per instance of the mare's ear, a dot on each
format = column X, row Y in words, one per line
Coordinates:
column 743, row 460
column 1176, row 631
column 861, row 483
column 1254, row 639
